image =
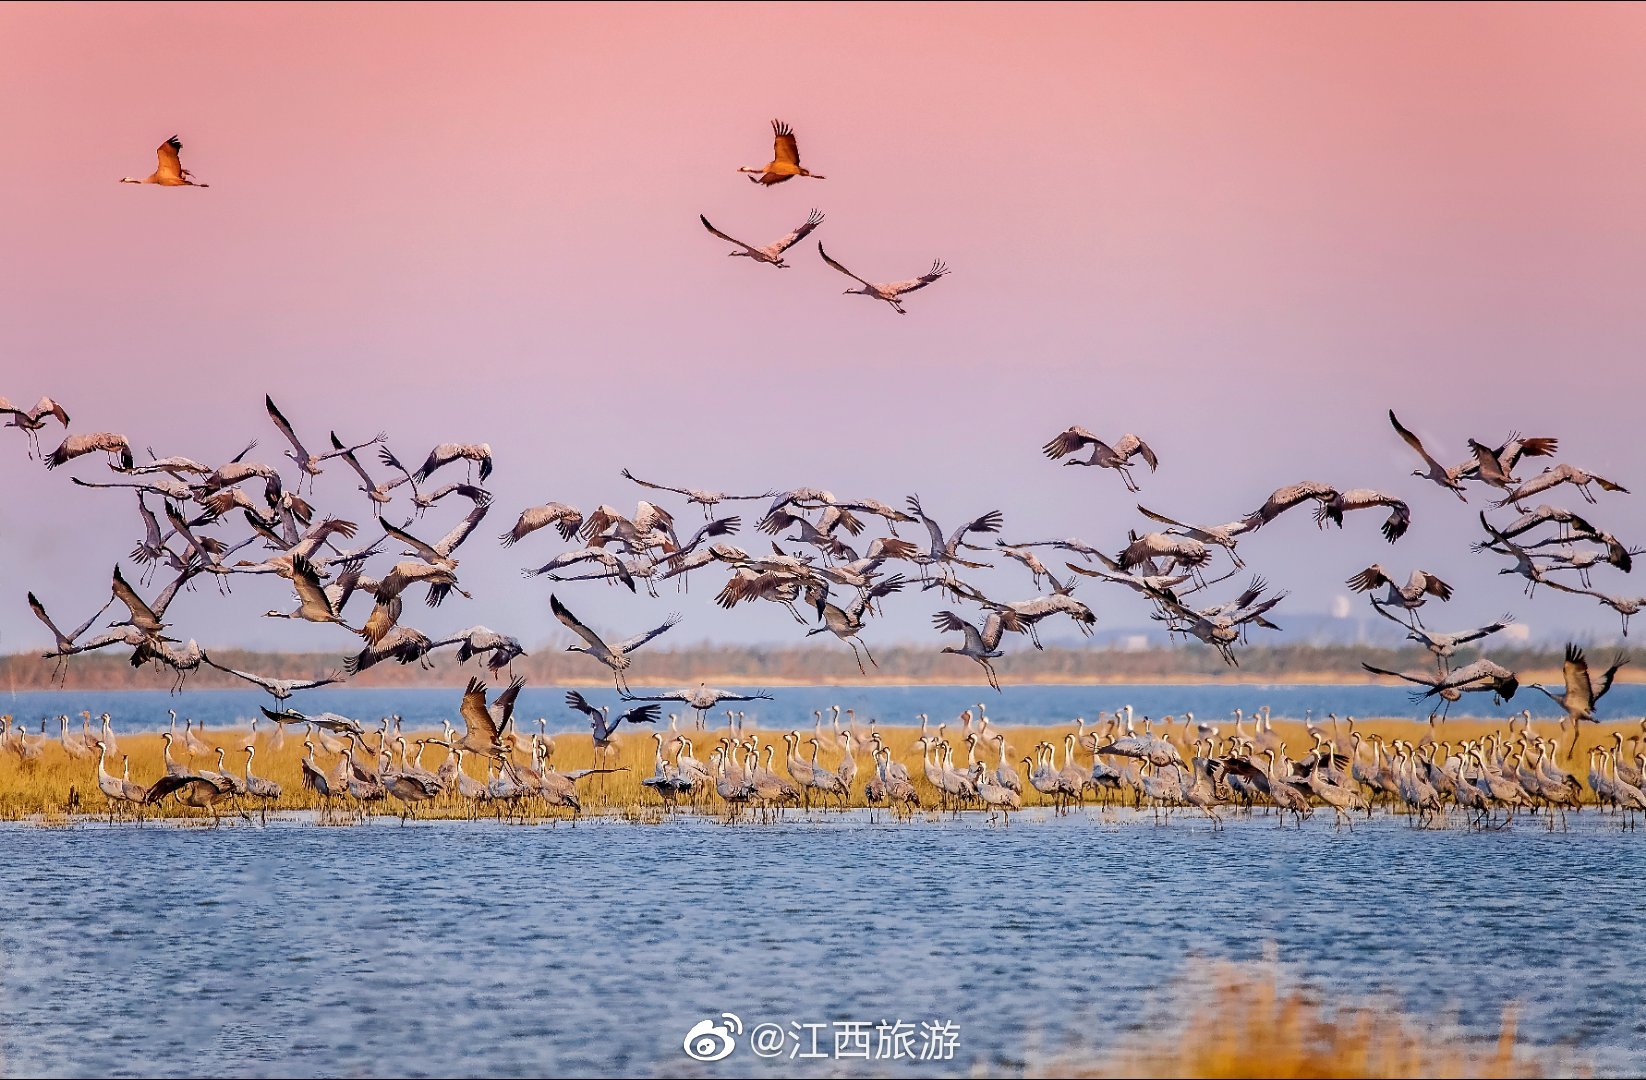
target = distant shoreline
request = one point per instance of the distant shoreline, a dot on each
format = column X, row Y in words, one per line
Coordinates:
column 724, row 679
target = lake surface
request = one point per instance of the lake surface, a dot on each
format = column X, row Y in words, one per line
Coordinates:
column 792, row 707
column 470, row 948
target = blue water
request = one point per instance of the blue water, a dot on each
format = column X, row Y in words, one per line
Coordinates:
column 475, row 948
column 792, row 706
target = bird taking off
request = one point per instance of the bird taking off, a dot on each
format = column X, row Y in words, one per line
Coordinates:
column 170, row 171
column 785, row 161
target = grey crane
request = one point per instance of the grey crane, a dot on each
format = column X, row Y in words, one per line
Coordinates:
column 1409, row 597
column 488, row 730
column 1495, row 466
column 1283, row 499
column 31, row 421
column 1394, row 526
column 446, row 453
column 1625, row 606
column 1443, row 646
column 1560, row 474
column 110, row 443
column 565, row 519
column 614, row 655
column 1225, row 536
column 981, row 646
column 64, row 644
column 604, row 728
column 480, row 639
column 1449, row 478
column 1582, row 691
column 772, row 253
column 891, row 292
column 1104, row 456
column 700, row 699
column 846, row 623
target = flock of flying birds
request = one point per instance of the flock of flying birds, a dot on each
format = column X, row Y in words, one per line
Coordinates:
column 239, row 519
column 785, row 165
column 242, row 519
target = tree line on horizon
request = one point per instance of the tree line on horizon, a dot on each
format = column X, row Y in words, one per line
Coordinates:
column 763, row 663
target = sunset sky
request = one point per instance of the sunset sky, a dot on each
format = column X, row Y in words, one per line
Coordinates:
column 1242, row 231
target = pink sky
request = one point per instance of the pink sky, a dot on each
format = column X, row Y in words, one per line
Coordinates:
column 1243, row 232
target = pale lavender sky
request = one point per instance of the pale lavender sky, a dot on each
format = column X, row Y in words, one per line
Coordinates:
column 1242, row 232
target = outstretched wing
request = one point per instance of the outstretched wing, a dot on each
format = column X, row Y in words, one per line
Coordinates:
column 983, row 523
column 838, row 267
column 813, row 220
column 284, row 425
column 1419, row 680
column 39, row 610
column 575, row 625
column 898, row 288
column 1162, row 518
column 630, row 644
column 1369, row 578
column 1068, row 442
column 1285, row 498
column 723, row 236
column 424, row 551
column 784, row 148
column 1415, row 443
column 171, row 165
column 339, row 450
column 576, row 700
column 644, row 714
column 482, row 505
column 932, row 527
column 627, row 475
column 1579, row 690
column 46, row 406
column 1608, row 675
column 476, row 717
column 134, row 603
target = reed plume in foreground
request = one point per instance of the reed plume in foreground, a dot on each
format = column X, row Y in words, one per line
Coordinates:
column 1246, row 1022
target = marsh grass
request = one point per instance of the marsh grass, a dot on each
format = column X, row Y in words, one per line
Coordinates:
column 41, row 789
column 1229, row 1020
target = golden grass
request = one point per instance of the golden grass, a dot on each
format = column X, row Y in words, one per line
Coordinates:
column 1242, row 1021
column 43, row 788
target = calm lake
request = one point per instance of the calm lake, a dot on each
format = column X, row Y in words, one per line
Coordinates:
column 467, row 948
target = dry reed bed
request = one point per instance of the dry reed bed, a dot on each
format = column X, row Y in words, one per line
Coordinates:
column 43, row 788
